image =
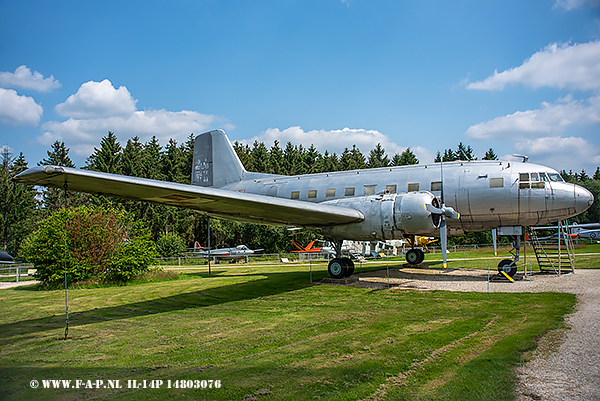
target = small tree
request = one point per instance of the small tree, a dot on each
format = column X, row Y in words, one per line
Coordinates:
column 102, row 244
column 170, row 245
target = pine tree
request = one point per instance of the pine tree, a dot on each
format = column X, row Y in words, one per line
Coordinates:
column 133, row 164
column 597, row 174
column 275, row 159
column 406, row 158
column 260, row 157
column 107, row 159
column 244, row 154
column 18, row 205
column 172, row 162
column 464, row 152
column 352, row 159
column 378, row 157
column 53, row 198
column 490, row 155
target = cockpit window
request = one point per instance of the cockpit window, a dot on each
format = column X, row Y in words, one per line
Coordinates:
column 534, row 177
column 543, row 177
column 555, row 177
column 524, row 177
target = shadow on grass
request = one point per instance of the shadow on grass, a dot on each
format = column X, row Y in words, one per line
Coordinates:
column 274, row 283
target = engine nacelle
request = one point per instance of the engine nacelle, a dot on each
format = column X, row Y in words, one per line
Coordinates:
column 389, row 216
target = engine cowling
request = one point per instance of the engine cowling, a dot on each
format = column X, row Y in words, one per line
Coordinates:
column 389, row 216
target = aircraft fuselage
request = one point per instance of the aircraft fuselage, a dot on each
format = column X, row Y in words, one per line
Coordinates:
column 487, row 194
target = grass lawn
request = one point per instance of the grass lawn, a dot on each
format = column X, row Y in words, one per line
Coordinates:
column 266, row 333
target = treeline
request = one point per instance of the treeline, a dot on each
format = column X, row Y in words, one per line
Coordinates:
column 23, row 207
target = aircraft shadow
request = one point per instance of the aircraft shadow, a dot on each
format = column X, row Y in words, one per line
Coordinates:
column 272, row 284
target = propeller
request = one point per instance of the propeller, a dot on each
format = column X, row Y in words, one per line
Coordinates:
column 444, row 212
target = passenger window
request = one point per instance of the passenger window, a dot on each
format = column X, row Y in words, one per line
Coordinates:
column 534, row 177
column 413, row 187
column 330, row 193
column 295, row 195
column 370, row 189
column 312, row 194
column 390, row 189
column 496, row 182
column 349, row 192
column 524, row 177
column 436, row 186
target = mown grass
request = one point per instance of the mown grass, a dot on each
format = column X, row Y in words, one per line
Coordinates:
column 267, row 332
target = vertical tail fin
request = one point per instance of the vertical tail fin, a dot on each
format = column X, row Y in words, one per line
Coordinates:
column 215, row 162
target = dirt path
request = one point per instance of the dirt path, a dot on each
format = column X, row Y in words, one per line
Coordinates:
column 566, row 365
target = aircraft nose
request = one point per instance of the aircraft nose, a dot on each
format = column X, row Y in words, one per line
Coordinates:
column 583, row 199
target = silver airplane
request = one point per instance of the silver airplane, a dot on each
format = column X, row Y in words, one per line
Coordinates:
column 363, row 205
column 236, row 253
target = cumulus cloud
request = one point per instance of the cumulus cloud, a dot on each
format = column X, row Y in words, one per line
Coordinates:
column 24, row 79
column 570, row 153
column 549, row 119
column 569, row 5
column 564, row 66
column 333, row 141
column 19, row 110
column 98, row 107
column 97, row 100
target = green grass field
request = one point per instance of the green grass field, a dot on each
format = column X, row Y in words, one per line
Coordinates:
column 266, row 333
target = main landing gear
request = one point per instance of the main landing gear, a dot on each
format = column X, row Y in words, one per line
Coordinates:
column 414, row 256
column 340, row 267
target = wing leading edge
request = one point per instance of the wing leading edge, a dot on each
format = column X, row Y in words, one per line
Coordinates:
column 215, row 202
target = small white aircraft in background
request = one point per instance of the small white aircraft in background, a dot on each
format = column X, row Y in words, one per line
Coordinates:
column 578, row 230
column 363, row 205
column 233, row 254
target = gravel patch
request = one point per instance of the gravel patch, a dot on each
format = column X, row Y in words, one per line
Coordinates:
column 566, row 364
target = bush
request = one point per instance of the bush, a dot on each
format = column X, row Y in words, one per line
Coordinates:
column 102, row 244
column 170, row 245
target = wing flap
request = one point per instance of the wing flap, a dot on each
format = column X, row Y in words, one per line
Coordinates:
column 215, row 202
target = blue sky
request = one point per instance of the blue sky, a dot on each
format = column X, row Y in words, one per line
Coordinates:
column 517, row 76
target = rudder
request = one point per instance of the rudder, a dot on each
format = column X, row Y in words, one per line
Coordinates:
column 215, row 162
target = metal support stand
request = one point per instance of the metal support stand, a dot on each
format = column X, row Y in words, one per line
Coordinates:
column 66, row 299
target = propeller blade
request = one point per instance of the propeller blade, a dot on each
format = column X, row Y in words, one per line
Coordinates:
column 444, row 241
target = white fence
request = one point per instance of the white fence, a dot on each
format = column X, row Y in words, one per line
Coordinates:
column 14, row 272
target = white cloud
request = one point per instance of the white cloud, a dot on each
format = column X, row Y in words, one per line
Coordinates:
column 98, row 107
column 23, row 78
column 84, row 134
column 574, row 67
column 333, row 141
column 569, row 153
column 569, row 5
column 97, row 100
column 19, row 110
column 550, row 119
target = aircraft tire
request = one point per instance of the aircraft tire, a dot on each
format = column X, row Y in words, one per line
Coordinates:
column 421, row 255
column 337, row 268
column 508, row 266
column 349, row 267
column 413, row 257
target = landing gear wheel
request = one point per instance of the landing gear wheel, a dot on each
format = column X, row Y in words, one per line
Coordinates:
column 337, row 268
column 507, row 266
column 349, row 267
column 415, row 256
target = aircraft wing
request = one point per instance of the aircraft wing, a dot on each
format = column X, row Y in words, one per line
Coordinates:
column 212, row 201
